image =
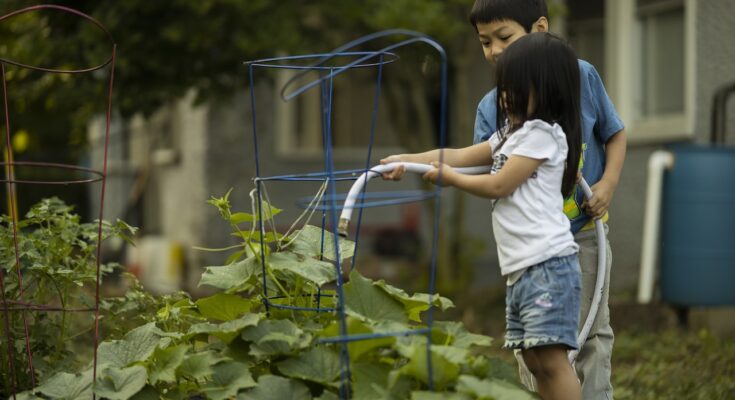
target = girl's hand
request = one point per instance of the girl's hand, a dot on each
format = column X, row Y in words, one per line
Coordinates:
column 397, row 173
column 448, row 174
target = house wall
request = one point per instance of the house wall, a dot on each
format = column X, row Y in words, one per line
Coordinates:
column 715, row 63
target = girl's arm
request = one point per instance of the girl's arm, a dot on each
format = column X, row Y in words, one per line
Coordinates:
column 515, row 171
column 475, row 155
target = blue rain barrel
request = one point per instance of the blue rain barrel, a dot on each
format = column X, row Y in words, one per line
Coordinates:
column 698, row 227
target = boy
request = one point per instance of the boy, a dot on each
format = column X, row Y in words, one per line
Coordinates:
column 499, row 23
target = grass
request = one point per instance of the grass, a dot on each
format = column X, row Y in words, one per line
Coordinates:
column 673, row 364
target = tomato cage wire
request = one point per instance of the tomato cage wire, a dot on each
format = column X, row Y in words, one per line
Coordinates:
column 89, row 175
column 327, row 66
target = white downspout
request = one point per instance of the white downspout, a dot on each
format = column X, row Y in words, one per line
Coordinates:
column 659, row 161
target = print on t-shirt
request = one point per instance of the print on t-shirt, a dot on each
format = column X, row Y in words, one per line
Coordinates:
column 498, row 163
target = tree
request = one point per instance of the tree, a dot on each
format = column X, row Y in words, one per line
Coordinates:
column 166, row 48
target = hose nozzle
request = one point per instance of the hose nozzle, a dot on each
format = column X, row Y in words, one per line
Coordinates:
column 344, row 223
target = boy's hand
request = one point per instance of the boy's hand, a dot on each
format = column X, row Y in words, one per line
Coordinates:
column 602, row 193
column 397, row 173
column 448, row 174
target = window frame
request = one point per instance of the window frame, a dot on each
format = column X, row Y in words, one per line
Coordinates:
column 625, row 71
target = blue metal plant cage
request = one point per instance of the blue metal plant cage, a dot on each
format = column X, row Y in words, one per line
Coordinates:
column 318, row 72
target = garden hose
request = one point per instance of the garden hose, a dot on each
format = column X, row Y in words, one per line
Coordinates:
column 378, row 170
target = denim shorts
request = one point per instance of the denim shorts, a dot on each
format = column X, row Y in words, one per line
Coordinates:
column 542, row 307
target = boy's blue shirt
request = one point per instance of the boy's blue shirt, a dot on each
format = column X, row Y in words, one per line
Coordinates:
column 600, row 122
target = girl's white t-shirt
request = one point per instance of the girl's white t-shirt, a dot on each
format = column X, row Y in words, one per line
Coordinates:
column 530, row 225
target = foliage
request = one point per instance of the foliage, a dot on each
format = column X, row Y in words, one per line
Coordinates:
column 229, row 345
column 159, row 56
column 57, row 265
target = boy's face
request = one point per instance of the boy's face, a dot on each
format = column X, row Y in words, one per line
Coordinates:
column 497, row 35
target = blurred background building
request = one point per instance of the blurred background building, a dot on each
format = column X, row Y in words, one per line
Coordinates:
column 662, row 62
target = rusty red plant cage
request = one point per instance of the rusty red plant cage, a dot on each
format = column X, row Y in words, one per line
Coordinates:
column 19, row 305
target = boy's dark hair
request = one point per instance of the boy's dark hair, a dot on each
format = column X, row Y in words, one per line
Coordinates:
column 544, row 66
column 525, row 12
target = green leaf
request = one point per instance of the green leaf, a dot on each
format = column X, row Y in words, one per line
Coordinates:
column 318, row 364
column 369, row 380
column 125, row 231
column 309, row 243
column 458, row 336
column 28, row 395
column 240, row 217
column 417, row 303
column 445, row 363
column 272, row 387
column 453, row 354
column 137, row 345
column 327, row 395
column 275, row 336
column 423, row 395
column 254, row 237
column 235, row 257
column 147, row 393
column 498, row 368
column 319, row 272
column 268, row 210
column 228, row 330
column 120, row 383
column 491, row 389
column 399, row 386
column 366, row 301
column 232, row 276
column 228, row 378
column 165, row 362
column 358, row 348
column 68, row 386
column 198, row 366
column 222, row 306
column 239, row 350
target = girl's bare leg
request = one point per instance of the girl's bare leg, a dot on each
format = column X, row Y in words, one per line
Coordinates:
column 555, row 376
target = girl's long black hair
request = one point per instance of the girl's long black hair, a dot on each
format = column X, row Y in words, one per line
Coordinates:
column 542, row 68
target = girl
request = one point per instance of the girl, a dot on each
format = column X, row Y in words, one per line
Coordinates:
column 534, row 159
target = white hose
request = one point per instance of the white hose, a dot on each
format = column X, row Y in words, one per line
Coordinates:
column 599, row 283
column 359, row 185
column 376, row 171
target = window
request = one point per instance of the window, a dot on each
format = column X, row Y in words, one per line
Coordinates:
column 650, row 54
column 298, row 122
column 662, row 57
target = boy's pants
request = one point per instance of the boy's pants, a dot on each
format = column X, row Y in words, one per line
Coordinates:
column 593, row 361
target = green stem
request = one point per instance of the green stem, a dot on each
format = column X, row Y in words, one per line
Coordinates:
column 216, row 249
column 270, row 273
column 62, row 331
column 84, row 332
column 4, row 361
column 268, row 269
